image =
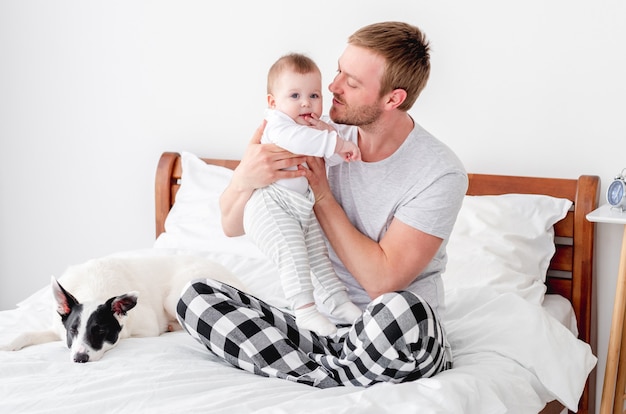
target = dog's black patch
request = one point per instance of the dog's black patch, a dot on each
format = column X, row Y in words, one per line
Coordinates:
column 71, row 321
column 102, row 326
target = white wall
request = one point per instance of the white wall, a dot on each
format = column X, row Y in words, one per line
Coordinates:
column 91, row 92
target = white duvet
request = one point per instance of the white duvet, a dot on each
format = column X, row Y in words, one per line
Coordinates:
column 511, row 356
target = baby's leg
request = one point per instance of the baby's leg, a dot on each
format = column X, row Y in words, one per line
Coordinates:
column 310, row 318
column 272, row 220
column 331, row 290
column 341, row 307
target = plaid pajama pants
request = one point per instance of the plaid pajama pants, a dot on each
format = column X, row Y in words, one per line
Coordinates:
column 397, row 339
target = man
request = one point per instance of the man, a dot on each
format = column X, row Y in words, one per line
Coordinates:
column 386, row 219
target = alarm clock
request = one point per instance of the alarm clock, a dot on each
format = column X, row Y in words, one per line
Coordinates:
column 616, row 193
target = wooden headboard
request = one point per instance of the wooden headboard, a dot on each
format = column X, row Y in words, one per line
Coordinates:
column 571, row 270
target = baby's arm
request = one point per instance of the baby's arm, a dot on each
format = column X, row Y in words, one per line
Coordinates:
column 348, row 150
column 299, row 138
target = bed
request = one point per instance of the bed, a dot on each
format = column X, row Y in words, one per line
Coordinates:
column 519, row 315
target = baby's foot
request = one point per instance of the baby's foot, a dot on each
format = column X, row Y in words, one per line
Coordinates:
column 310, row 318
column 347, row 312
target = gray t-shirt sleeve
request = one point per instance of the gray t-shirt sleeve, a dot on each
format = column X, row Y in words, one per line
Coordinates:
column 434, row 209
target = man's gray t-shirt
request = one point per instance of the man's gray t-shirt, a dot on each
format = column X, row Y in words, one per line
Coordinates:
column 422, row 184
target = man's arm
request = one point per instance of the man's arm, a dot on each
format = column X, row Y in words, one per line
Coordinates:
column 261, row 165
column 379, row 267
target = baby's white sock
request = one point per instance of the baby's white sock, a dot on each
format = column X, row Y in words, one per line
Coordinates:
column 310, row 318
column 347, row 312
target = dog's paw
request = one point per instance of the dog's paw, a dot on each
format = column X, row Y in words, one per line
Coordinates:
column 14, row 345
column 29, row 338
column 173, row 327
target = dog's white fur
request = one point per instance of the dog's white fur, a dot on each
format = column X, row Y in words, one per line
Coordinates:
column 157, row 282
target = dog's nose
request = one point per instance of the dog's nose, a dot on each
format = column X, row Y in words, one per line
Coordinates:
column 81, row 357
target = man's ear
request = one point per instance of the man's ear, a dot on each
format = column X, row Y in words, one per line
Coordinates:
column 395, row 98
column 65, row 301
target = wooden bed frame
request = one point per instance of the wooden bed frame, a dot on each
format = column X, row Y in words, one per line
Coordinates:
column 571, row 270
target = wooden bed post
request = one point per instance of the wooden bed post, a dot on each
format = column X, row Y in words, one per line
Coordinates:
column 583, row 288
column 163, row 188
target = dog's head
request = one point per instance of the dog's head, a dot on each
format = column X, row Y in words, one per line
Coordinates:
column 91, row 328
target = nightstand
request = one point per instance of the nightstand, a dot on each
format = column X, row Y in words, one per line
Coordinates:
column 614, row 387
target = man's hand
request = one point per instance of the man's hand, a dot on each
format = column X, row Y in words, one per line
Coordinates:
column 263, row 164
column 316, row 175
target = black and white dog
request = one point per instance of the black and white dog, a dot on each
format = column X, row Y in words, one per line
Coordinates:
column 99, row 302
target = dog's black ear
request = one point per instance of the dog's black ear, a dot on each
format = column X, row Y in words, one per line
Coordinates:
column 65, row 301
column 122, row 304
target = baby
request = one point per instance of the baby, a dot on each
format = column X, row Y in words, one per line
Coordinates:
column 279, row 218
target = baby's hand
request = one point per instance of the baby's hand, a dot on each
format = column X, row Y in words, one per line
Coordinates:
column 317, row 123
column 348, row 150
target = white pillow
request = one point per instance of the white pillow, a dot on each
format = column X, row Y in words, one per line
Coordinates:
column 505, row 242
column 480, row 320
column 194, row 222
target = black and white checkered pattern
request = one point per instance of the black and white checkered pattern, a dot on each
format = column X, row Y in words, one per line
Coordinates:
column 397, row 339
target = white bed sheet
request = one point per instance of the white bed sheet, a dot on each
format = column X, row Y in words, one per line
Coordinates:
column 511, row 356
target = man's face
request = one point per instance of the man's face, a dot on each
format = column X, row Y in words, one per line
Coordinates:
column 356, row 87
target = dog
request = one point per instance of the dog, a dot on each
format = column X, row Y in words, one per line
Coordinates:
column 104, row 300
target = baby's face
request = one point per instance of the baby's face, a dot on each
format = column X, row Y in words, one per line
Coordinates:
column 298, row 95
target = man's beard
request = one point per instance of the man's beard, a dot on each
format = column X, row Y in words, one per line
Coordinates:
column 358, row 116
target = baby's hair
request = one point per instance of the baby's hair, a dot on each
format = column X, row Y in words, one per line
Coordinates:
column 296, row 62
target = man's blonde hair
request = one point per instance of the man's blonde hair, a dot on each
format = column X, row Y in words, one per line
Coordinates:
column 406, row 52
column 296, row 62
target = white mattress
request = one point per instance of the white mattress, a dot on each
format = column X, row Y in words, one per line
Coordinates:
column 510, row 357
